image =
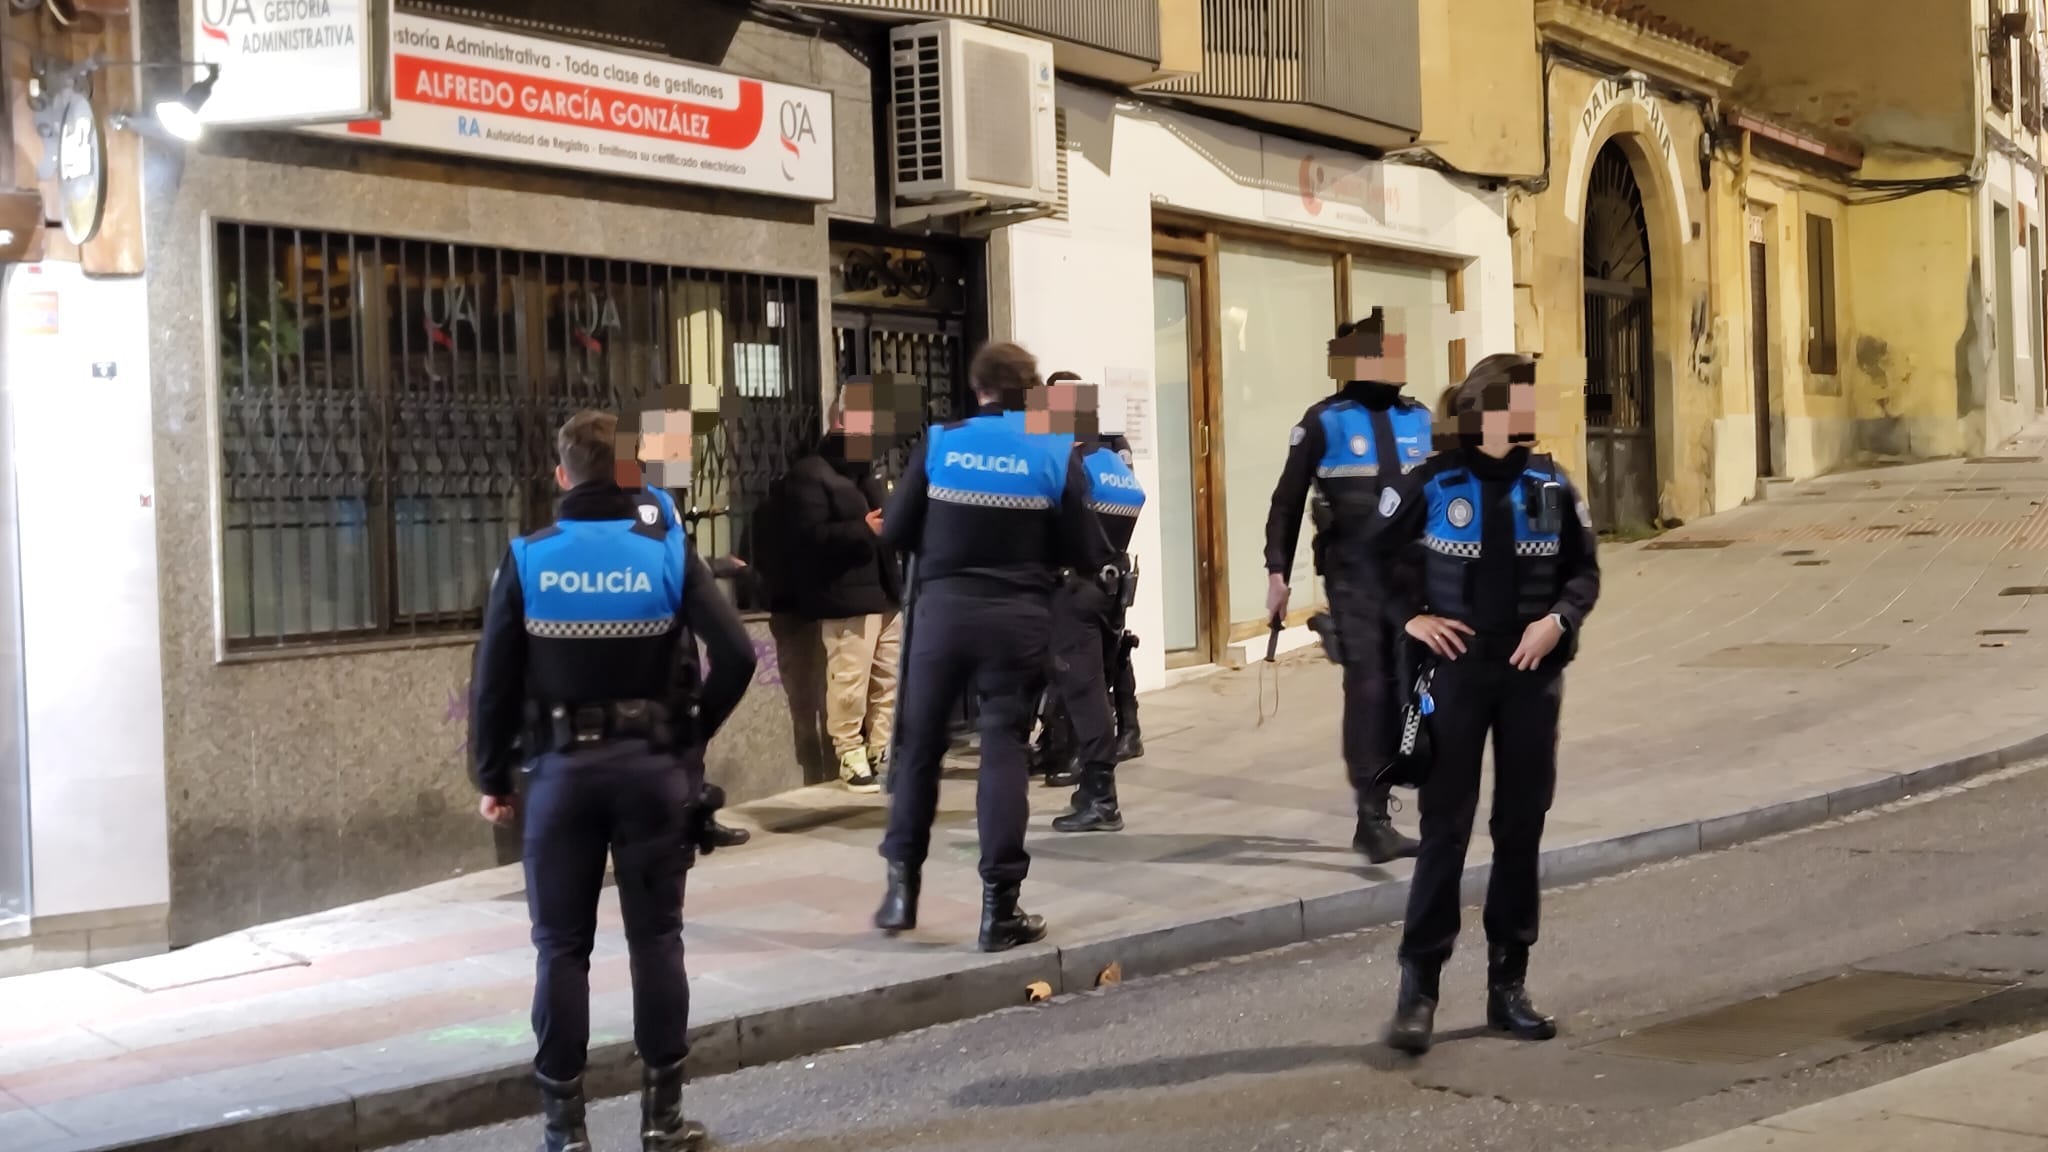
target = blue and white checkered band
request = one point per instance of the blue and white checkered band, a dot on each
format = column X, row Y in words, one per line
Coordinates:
column 1462, row 549
column 1017, row 503
column 1528, row 548
column 599, row 629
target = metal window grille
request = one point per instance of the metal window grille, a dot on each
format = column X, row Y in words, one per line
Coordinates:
column 388, row 409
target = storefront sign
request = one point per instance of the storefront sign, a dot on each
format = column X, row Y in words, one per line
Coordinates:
column 81, row 167
column 1339, row 191
column 1602, row 101
column 481, row 92
column 289, row 61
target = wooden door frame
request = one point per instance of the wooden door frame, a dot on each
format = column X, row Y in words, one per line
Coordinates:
column 1195, row 239
column 1193, row 265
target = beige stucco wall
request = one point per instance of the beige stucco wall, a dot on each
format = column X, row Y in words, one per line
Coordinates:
column 1894, row 74
column 1480, row 78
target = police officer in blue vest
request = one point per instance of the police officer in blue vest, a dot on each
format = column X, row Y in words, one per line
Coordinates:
column 579, row 673
column 1491, row 563
column 1088, row 624
column 989, row 511
column 1348, row 447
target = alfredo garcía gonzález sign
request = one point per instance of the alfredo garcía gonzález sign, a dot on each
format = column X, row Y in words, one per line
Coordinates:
column 290, row 61
column 481, row 92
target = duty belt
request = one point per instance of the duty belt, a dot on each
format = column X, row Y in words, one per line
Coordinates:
column 566, row 727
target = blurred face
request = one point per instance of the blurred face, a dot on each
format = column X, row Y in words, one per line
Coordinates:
column 1067, row 408
column 873, row 414
column 1513, row 422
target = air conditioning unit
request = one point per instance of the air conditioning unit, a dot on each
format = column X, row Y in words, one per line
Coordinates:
column 972, row 121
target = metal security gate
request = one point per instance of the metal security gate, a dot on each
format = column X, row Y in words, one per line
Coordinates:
column 1621, row 427
column 930, row 349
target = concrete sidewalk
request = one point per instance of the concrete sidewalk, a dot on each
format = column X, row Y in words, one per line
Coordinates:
column 1994, row 1101
column 1852, row 640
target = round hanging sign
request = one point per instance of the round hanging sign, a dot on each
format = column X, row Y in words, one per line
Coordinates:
column 81, row 167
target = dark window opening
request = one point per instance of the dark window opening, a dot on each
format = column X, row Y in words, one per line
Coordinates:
column 1821, row 354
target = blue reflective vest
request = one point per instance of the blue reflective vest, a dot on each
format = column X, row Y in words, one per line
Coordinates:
column 1351, row 450
column 603, row 579
column 1114, row 494
column 1453, row 535
column 992, row 462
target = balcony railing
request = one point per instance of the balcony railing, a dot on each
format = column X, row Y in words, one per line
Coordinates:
column 1122, row 41
column 1350, row 69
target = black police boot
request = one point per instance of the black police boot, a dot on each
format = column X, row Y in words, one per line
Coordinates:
column 663, row 1127
column 561, row 1105
column 1377, row 839
column 1095, row 807
column 1414, row 1024
column 1508, row 1007
column 724, row 837
column 898, row 912
column 1064, row 772
column 1004, row 925
column 1130, row 742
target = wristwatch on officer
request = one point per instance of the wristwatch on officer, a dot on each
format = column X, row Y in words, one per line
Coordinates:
column 1563, row 625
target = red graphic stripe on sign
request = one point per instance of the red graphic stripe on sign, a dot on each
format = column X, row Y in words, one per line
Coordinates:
column 533, row 98
column 214, row 33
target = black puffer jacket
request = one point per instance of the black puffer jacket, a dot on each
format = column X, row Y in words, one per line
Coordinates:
column 838, row 567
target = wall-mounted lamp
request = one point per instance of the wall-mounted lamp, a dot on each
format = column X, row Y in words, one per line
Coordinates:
column 180, row 117
column 177, row 117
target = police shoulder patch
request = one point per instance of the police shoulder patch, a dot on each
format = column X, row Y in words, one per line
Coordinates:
column 649, row 513
column 1295, row 437
column 1124, row 455
column 1390, row 502
column 1460, row 512
column 1358, row 445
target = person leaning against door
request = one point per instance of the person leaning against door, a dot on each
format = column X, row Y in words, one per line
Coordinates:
column 843, row 577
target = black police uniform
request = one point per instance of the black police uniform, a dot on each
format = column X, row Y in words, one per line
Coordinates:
column 1088, row 637
column 580, row 664
column 990, row 513
column 1349, row 447
column 1497, row 544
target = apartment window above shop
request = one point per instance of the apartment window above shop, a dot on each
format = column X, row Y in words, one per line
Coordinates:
column 2000, row 55
column 1821, row 354
column 387, row 412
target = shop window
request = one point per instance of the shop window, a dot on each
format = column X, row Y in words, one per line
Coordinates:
column 387, row 412
column 1820, row 296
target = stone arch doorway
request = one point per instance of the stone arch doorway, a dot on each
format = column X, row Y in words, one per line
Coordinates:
column 1621, row 377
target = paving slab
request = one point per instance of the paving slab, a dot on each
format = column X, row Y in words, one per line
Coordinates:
column 397, row 1017
column 1992, row 1101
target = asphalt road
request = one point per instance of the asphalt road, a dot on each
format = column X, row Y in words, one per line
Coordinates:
column 1279, row 1052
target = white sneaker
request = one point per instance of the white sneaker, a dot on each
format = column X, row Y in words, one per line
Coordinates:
column 856, row 773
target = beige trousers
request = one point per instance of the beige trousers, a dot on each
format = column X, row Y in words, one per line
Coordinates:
column 860, row 681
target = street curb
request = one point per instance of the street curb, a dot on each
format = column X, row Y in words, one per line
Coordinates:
column 330, row 1122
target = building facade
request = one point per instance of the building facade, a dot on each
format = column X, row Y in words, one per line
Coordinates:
column 1747, row 241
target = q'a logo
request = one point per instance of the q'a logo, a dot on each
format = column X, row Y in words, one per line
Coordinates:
column 797, row 130
column 216, row 16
